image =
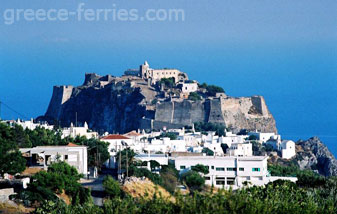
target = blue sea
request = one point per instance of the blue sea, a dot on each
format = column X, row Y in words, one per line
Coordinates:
column 299, row 82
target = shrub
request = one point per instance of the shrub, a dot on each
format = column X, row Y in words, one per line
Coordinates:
column 193, row 180
column 111, row 187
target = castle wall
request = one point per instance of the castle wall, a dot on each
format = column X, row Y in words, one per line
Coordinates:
column 61, row 94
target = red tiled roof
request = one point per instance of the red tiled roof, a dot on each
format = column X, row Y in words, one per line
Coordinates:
column 115, row 137
column 72, row 145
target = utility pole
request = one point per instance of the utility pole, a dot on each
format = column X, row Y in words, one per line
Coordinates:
column 120, row 162
column 127, row 164
column 0, row 109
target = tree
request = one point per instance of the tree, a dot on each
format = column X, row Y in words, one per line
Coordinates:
column 170, row 135
column 200, row 168
column 60, row 178
column 11, row 160
column 97, row 150
column 194, row 96
column 213, row 89
column 168, row 82
column 111, row 187
column 193, row 180
column 207, row 151
column 204, row 127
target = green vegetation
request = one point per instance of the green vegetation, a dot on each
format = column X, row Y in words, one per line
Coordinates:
column 207, row 151
column 170, row 135
column 212, row 89
column 193, row 180
column 111, row 187
column 168, row 82
column 200, row 168
column 204, row 127
column 60, row 178
column 194, row 96
column 97, row 150
column 306, row 178
column 170, row 176
column 11, row 160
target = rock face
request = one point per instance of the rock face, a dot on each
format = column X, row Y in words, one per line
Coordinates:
column 313, row 154
column 122, row 104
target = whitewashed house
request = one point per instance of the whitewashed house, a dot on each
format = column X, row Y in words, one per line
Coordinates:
column 264, row 137
column 288, row 149
column 84, row 131
column 29, row 124
column 240, row 149
column 43, row 156
column 230, row 172
column 116, row 143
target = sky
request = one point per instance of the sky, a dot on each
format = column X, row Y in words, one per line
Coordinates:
column 285, row 50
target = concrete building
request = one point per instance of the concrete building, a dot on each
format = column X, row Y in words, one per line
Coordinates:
column 43, row 156
column 116, row 143
column 263, row 137
column 29, row 124
column 157, row 74
column 84, row 131
column 226, row 172
column 287, row 148
column 188, row 87
column 240, row 149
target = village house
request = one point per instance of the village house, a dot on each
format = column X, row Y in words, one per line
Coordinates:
column 74, row 131
column 44, row 156
column 230, row 172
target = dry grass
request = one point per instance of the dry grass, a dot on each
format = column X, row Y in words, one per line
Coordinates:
column 13, row 208
column 31, row 171
column 64, row 197
column 145, row 189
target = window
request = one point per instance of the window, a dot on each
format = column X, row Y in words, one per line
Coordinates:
column 231, row 169
column 230, row 181
column 66, row 157
column 256, row 169
column 241, row 169
column 220, row 169
column 212, row 167
column 220, row 182
column 207, row 178
column 182, row 167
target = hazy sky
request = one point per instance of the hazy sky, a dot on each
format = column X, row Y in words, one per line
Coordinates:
column 285, row 50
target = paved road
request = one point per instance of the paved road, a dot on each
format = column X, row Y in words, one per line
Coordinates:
column 97, row 190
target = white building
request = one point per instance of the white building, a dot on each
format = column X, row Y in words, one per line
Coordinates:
column 73, row 132
column 116, row 143
column 288, row 149
column 43, row 156
column 264, row 137
column 240, row 149
column 29, row 124
column 188, row 87
column 226, row 172
column 230, row 138
column 157, row 74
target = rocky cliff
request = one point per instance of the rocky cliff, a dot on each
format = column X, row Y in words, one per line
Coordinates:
column 121, row 104
column 313, row 154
